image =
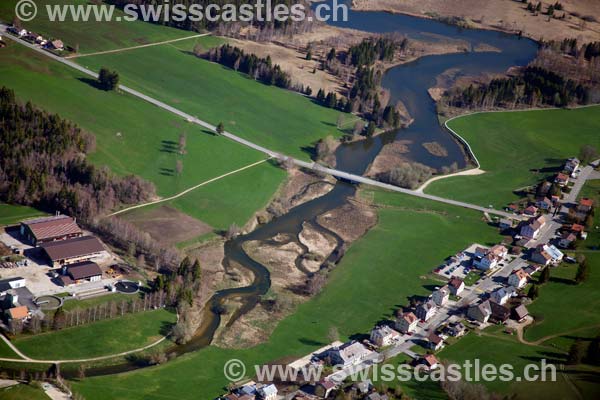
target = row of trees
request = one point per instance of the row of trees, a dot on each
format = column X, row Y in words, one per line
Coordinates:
column 43, row 164
column 261, row 69
column 534, row 86
column 182, row 287
column 80, row 316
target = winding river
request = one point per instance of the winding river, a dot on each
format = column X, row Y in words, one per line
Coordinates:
column 408, row 83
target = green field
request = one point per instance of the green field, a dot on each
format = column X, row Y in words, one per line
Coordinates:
column 278, row 119
column 511, row 144
column 23, row 391
column 394, row 259
column 92, row 36
column 134, row 137
column 11, row 214
column 559, row 298
column 591, row 190
column 99, row 338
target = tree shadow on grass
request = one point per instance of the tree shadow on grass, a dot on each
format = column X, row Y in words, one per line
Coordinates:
column 167, row 171
column 92, row 82
column 311, row 342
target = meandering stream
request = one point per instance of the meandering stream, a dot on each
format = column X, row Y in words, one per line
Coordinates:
column 408, row 83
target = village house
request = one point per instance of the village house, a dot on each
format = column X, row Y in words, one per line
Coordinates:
column 267, row 392
column 73, row 250
column 429, row 361
column 456, row 329
column 561, row 179
column 407, row 323
column 426, row 310
column 531, row 229
column 518, row 278
column 17, row 31
column 49, row 229
column 578, row 229
column 17, row 313
column 456, row 286
column 531, row 211
column 56, row 45
column 545, row 254
column 480, row 312
column 441, row 296
column 324, row 387
column 500, row 313
column 350, row 353
column 505, row 223
column 434, row 342
column 585, row 205
column 520, row 313
column 491, row 258
column 544, row 204
column 500, row 296
column 384, row 336
column 572, row 165
column 567, row 239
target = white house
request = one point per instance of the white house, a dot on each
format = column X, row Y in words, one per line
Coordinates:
column 518, row 278
column 434, row 342
column 440, row 296
column 268, row 392
column 500, row 296
column 480, row 312
column 571, row 165
column 547, row 254
column 350, row 353
column 532, row 228
column 426, row 310
column 384, row 336
column 407, row 322
column 456, row 286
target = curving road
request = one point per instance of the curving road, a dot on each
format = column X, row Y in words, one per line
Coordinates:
column 270, row 153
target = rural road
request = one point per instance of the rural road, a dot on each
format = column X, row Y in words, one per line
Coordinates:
column 309, row 165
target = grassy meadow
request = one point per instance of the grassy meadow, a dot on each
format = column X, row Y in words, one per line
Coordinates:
column 278, row 119
column 99, row 338
column 559, row 297
column 12, row 214
column 511, row 145
column 394, row 259
column 134, row 137
column 23, row 391
column 92, row 36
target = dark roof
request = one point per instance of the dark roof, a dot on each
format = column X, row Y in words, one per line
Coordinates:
column 52, row 227
column 499, row 312
column 83, row 270
column 520, row 312
column 5, row 283
column 77, row 247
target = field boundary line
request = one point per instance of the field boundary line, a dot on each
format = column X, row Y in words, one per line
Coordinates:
column 142, row 46
column 186, row 191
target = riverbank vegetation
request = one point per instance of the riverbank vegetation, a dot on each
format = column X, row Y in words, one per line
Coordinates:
column 394, row 276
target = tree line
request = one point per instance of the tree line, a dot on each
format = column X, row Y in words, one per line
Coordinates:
column 533, row 87
column 261, row 69
column 43, row 165
column 81, row 316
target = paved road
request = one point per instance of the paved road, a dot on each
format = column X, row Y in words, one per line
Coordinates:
column 270, row 153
